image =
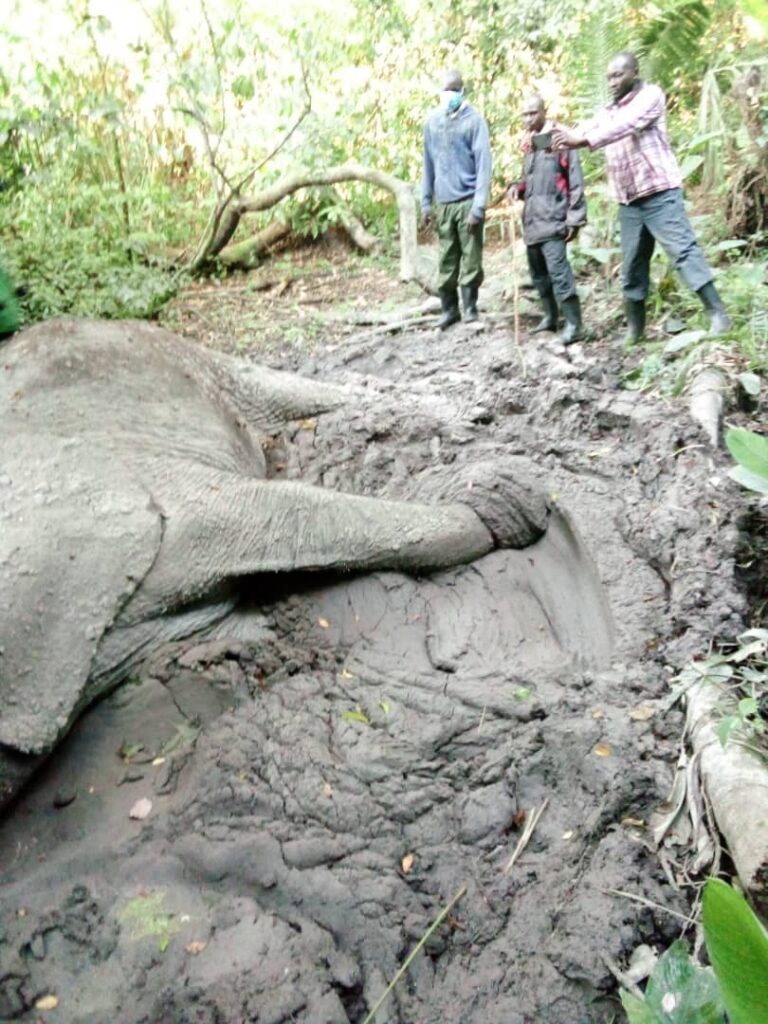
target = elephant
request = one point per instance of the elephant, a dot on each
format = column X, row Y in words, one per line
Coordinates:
column 134, row 498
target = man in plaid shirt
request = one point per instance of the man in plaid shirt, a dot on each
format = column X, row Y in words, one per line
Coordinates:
column 645, row 180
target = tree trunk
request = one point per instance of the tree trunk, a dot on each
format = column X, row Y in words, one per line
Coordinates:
column 410, row 267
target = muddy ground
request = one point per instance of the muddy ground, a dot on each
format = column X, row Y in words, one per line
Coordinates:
column 332, row 768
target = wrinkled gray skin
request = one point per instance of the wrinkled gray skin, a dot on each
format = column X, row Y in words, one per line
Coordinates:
column 133, row 496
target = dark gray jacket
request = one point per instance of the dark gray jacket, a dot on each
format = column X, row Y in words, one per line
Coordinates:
column 552, row 187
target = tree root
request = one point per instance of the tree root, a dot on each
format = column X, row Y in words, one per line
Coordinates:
column 735, row 779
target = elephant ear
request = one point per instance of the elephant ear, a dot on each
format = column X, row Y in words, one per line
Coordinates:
column 78, row 533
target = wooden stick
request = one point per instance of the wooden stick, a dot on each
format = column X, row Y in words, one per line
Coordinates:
column 516, row 288
column 526, row 836
column 432, row 928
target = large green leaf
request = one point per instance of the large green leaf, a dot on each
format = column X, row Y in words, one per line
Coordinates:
column 681, row 992
column 750, row 450
column 636, row 1010
column 737, row 944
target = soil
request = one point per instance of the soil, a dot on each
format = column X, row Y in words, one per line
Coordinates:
column 329, row 769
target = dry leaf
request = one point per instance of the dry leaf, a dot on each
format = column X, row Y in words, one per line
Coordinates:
column 641, row 713
column 346, row 674
column 309, row 424
column 602, row 750
column 598, row 713
column 407, row 863
column 568, row 834
column 47, row 1003
column 195, row 947
column 328, row 789
column 157, row 761
column 324, row 623
column 141, row 809
column 633, row 823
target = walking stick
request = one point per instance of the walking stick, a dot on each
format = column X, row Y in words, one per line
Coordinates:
column 515, row 288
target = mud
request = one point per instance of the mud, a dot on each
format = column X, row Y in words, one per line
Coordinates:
column 329, row 769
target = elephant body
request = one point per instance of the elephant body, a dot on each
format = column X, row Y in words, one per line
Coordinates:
column 134, row 497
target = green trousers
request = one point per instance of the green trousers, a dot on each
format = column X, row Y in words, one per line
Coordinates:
column 460, row 259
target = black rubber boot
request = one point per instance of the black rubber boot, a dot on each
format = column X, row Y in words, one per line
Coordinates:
column 571, row 308
column 469, row 302
column 719, row 321
column 549, row 321
column 634, row 310
column 449, row 300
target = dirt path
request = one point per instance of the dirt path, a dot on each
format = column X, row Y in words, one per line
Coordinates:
column 348, row 754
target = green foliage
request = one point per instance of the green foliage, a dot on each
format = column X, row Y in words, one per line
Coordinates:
column 678, row 992
column 737, row 944
column 9, row 307
column 741, row 669
column 750, row 450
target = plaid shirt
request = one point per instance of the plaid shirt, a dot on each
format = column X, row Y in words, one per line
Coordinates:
column 634, row 134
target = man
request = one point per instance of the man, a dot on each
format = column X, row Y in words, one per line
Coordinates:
column 457, row 176
column 552, row 188
column 644, row 178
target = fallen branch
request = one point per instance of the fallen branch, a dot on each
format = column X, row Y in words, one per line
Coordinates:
column 246, row 253
column 410, row 269
column 411, row 956
column 735, row 780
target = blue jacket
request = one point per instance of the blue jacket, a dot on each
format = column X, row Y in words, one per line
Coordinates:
column 457, row 159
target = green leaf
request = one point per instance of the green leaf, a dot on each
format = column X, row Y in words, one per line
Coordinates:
column 636, row 1010
column 750, row 382
column 726, row 727
column 691, row 163
column 683, row 340
column 737, row 944
column 243, row 88
column 752, row 481
column 750, row 450
column 355, row 716
column 681, row 992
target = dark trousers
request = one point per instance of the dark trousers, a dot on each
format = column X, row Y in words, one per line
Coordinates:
column 660, row 217
column 550, row 269
column 460, row 257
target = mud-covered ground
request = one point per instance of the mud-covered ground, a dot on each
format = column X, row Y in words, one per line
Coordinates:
column 334, row 766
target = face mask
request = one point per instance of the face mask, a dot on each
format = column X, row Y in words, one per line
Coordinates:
column 451, row 100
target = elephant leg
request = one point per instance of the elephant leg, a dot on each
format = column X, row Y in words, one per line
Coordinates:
column 231, row 526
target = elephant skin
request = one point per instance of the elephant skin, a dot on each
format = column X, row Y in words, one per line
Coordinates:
column 134, row 496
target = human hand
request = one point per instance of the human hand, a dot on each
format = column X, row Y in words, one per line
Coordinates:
column 571, row 234
column 427, row 220
column 513, row 192
column 564, row 138
column 473, row 222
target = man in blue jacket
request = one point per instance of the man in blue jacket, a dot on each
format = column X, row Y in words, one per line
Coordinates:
column 457, row 179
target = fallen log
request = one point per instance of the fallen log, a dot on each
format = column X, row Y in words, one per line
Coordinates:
column 735, row 779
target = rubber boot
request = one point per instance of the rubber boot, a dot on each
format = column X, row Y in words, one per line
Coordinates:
column 469, row 302
column 449, row 300
column 571, row 308
column 634, row 310
column 719, row 321
column 549, row 321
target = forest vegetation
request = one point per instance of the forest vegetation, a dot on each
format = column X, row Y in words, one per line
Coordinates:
column 143, row 143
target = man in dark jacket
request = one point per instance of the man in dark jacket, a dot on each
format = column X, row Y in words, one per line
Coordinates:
column 552, row 188
column 457, row 176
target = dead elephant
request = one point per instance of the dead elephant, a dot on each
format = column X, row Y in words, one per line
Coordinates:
column 133, row 496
